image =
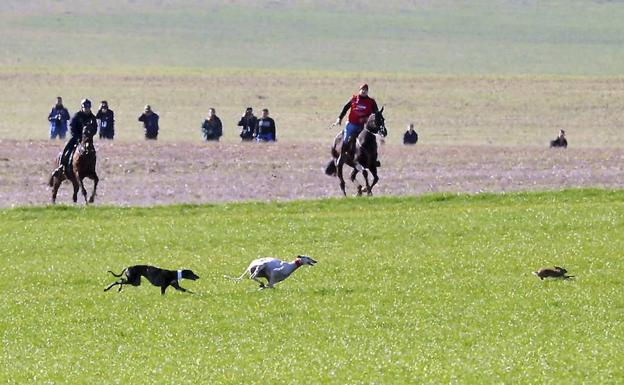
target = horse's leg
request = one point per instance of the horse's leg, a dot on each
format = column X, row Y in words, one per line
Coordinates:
column 55, row 187
column 373, row 171
column 358, row 185
column 368, row 186
column 95, row 183
column 76, row 186
column 339, row 173
column 82, row 187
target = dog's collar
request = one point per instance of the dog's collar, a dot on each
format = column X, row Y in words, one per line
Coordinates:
column 179, row 275
column 298, row 262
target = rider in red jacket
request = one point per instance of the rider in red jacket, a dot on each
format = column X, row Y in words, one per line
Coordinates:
column 361, row 106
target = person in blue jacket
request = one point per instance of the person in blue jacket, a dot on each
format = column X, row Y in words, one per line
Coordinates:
column 58, row 118
column 265, row 128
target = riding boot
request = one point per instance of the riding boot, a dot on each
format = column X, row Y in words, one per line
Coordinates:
column 58, row 171
column 346, row 146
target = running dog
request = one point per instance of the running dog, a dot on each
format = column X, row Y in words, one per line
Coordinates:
column 272, row 269
column 156, row 276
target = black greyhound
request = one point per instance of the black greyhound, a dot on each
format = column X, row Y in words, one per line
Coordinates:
column 156, row 276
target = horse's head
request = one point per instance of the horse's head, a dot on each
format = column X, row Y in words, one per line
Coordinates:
column 87, row 137
column 377, row 123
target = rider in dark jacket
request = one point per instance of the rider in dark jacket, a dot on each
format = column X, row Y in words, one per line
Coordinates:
column 82, row 118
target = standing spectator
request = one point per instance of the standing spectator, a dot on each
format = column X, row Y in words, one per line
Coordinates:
column 560, row 141
column 106, row 121
column 265, row 128
column 212, row 128
column 150, row 123
column 248, row 124
column 58, row 118
column 410, row 136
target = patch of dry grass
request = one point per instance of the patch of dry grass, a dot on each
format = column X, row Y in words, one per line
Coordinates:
column 446, row 110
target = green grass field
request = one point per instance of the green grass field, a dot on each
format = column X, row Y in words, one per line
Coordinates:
column 436, row 289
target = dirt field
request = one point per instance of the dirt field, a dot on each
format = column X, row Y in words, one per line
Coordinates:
column 163, row 173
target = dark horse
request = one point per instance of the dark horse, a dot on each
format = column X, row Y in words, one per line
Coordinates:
column 82, row 164
column 364, row 157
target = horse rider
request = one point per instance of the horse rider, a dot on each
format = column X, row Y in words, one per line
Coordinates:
column 361, row 106
column 82, row 118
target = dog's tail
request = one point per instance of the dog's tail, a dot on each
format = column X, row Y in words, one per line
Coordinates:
column 236, row 279
column 568, row 276
column 117, row 275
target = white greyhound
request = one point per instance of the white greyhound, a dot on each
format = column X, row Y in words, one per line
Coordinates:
column 273, row 269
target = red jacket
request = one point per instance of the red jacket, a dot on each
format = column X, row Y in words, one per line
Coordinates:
column 361, row 108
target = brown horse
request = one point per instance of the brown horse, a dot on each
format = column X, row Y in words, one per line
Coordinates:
column 364, row 157
column 82, row 165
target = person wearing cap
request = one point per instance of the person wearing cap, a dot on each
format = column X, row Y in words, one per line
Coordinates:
column 410, row 136
column 106, row 121
column 58, row 118
column 81, row 120
column 361, row 106
column 265, row 128
column 212, row 128
column 150, row 122
column 248, row 124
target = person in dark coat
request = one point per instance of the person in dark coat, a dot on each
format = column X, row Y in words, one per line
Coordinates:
column 212, row 128
column 58, row 118
column 106, row 121
column 265, row 128
column 410, row 136
column 150, row 123
column 248, row 124
column 80, row 120
column 560, row 141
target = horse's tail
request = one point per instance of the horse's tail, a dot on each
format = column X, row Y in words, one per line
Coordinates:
column 51, row 181
column 331, row 168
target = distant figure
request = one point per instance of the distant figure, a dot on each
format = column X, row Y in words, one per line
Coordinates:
column 212, row 128
column 265, row 128
column 560, row 141
column 106, row 121
column 410, row 136
column 58, row 118
column 248, row 124
column 150, row 123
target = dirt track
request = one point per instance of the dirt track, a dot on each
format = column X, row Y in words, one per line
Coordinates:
column 163, row 173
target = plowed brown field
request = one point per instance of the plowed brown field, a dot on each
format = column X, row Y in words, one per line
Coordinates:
column 151, row 173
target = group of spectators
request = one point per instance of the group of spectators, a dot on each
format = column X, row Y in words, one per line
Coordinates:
column 59, row 116
column 252, row 128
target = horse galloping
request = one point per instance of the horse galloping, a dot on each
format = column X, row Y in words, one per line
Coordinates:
column 363, row 158
column 81, row 165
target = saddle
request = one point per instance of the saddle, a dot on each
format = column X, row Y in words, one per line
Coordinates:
column 65, row 163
